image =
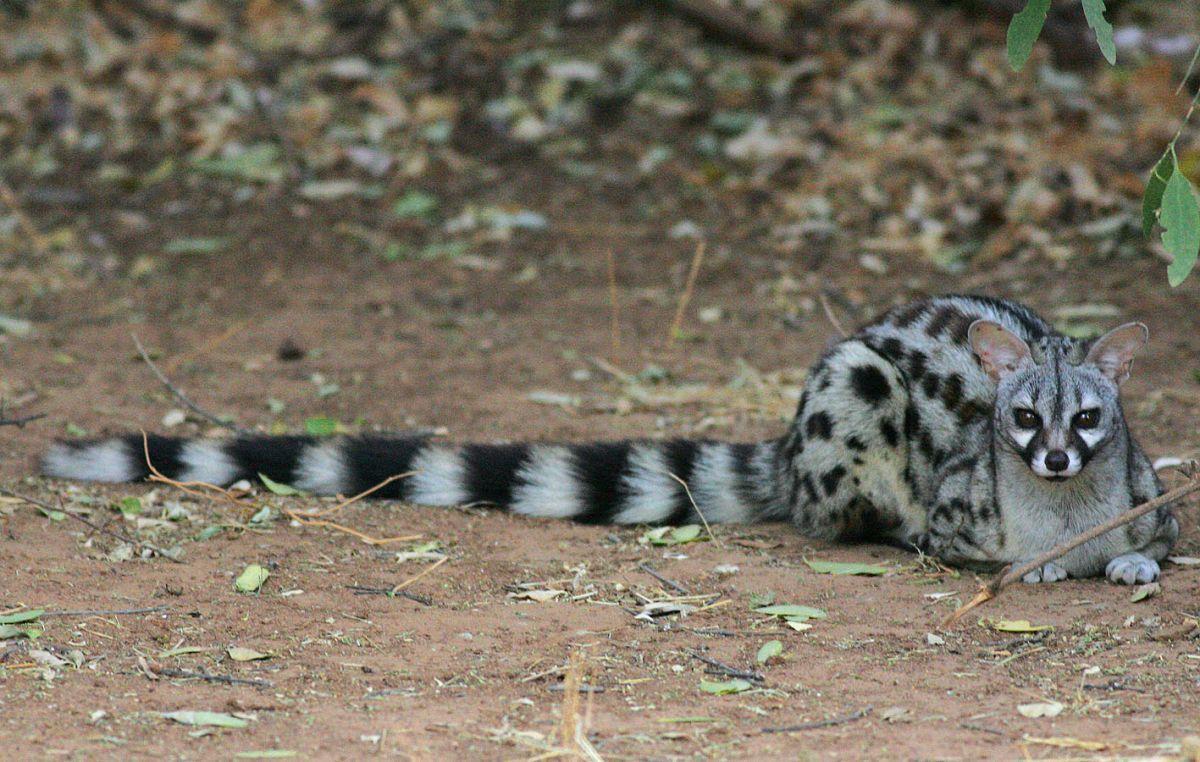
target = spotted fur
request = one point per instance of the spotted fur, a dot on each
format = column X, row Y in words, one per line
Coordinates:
column 905, row 433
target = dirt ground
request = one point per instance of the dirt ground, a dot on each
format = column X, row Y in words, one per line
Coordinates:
column 522, row 340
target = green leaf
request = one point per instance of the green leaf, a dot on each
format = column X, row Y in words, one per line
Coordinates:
column 12, row 631
column 255, row 164
column 251, row 579
column 129, row 506
column 209, row 532
column 792, row 611
column 237, row 653
column 1152, row 199
column 672, row 535
column 277, row 488
column 22, row 616
column 414, row 204
column 182, row 651
column 1181, row 219
column 219, row 719
column 194, row 246
column 320, row 426
column 1142, row 592
column 724, row 687
column 768, row 651
column 833, row 567
column 1093, row 10
column 1016, row 625
column 1023, row 31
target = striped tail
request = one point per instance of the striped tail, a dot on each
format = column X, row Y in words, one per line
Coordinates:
column 598, row 483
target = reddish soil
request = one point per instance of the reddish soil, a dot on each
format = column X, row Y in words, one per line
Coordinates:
column 477, row 674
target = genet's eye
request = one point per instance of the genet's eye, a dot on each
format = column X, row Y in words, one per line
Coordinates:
column 1027, row 419
column 1086, row 419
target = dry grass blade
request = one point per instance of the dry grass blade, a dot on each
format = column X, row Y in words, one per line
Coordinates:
column 1012, row 574
column 829, row 315
column 696, row 508
column 616, row 306
column 158, row 476
column 356, row 498
column 688, row 287
column 368, row 539
column 409, row 582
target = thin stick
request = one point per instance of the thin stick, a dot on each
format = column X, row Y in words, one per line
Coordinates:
column 20, row 421
column 363, row 590
column 724, row 669
column 123, row 538
column 174, row 362
column 179, row 395
column 735, row 27
column 1011, row 575
column 825, row 305
column 368, row 539
column 842, row 720
column 101, row 612
column 408, row 582
column 157, row 476
column 360, row 495
column 10, row 200
column 666, row 581
column 226, row 679
column 695, row 507
column 616, row 307
column 686, row 296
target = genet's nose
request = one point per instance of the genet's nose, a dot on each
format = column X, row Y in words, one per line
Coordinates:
column 1057, row 460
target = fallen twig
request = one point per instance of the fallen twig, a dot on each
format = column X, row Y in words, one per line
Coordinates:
column 226, row 679
column 666, row 581
column 364, row 590
column 158, row 476
column 736, row 28
column 21, row 420
column 842, row 720
column 101, row 612
column 123, row 538
column 179, row 395
column 1012, row 574
column 696, row 508
column 722, row 668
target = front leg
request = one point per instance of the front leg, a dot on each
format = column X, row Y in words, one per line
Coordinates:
column 959, row 531
column 1050, row 572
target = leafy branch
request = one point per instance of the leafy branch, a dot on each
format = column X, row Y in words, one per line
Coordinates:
column 1170, row 198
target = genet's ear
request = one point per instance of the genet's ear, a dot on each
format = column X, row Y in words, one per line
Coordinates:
column 999, row 350
column 1113, row 352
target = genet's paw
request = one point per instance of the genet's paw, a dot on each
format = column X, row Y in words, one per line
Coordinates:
column 1132, row 569
column 1051, row 572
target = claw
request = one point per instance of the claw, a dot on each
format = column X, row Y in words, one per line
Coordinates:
column 1132, row 569
column 1050, row 572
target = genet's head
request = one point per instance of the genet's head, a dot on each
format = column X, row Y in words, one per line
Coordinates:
column 1057, row 402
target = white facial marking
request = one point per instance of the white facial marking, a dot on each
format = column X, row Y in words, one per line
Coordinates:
column 1091, row 436
column 1038, row 466
column 550, row 487
column 1023, row 436
column 439, row 478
